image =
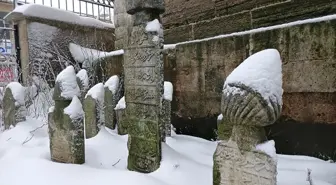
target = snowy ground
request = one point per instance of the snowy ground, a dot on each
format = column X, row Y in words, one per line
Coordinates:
column 25, row 160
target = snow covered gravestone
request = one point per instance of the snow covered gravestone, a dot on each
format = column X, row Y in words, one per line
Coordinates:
column 94, row 110
column 66, row 120
column 252, row 99
column 166, row 111
column 83, row 82
column 111, row 99
column 14, row 109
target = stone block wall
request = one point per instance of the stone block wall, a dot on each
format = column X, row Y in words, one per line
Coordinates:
column 195, row 19
column 44, row 44
column 198, row 71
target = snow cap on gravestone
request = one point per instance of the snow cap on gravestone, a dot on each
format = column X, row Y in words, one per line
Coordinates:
column 66, row 86
column 262, row 72
column 133, row 6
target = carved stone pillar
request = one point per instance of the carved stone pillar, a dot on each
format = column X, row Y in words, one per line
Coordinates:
column 143, row 67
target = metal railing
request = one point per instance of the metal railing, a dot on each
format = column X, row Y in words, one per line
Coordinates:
column 99, row 9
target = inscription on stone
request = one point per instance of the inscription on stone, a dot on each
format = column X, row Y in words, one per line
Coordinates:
column 142, row 94
column 141, row 57
column 141, row 76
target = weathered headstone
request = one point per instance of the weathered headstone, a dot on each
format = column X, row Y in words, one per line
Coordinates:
column 143, row 67
column 166, row 111
column 94, row 110
column 83, row 82
column 121, row 118
column 111, row 99
column 65, row 120
column 14, row 109
column 252, row 99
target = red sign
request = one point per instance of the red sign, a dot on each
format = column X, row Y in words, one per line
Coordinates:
column 7, row 74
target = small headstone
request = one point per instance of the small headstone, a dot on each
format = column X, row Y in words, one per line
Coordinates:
column 65, row 120
column 94, row 110
column 121, row 117
column 14, row 109
column 252, row 99
column 111, row 99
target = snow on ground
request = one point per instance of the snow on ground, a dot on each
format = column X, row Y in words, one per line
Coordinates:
column 186, row 160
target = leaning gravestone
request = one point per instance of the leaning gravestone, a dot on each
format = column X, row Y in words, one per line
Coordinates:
column 143, row 69
column 94, row 110
column 252, row 99
column 166, row 111
column 111, row 97
column 65, row 120
column 14, row 109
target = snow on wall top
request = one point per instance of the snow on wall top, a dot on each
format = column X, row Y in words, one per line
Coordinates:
column 262, row 72
column 121, row 104
column 68, row 83
column 83, row 76
column 97, row 92
column 75, row 109
column 168, row 91
column 87, row 56
column 45, row 12
column 112, row 83
column 257, row 30
column 18, row 92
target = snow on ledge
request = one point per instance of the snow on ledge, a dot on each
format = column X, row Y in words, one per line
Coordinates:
column 45, row 12
column 121, row 104
column 87, row 56
column 257, row 30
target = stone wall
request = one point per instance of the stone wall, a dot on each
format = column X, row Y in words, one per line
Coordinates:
column 45, row 44
column 194, row 19
column 198, row 71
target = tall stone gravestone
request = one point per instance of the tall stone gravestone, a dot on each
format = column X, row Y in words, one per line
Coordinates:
column 94, row 110
column 66, row 120
column 252, row 99
column 14, row 109
column 143, row 67
column 111, row 98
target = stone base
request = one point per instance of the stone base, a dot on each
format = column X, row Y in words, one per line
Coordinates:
column 235, row 167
